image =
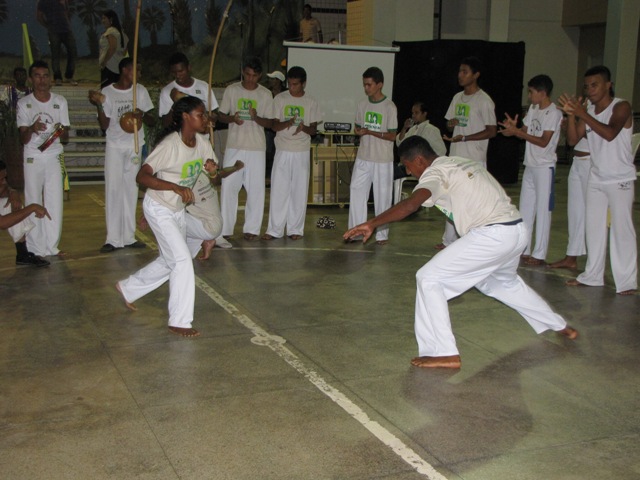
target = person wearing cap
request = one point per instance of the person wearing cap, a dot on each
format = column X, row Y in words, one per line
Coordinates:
column 276, row 82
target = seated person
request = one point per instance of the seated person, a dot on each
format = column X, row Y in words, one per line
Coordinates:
column 15, row 219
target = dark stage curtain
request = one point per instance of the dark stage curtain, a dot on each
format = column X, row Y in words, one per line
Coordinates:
column 429, row 71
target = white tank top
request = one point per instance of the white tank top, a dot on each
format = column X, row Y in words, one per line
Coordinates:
column 611, row 162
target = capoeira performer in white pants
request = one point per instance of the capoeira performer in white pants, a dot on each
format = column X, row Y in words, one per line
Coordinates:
column 376, row 125
column 121, row 161
column 246, row 107
column 608, row 125
column 485, row 257
column 169, row 174
column 576, row 205
column 296, row 116
column 37, row 116
column 541, row 131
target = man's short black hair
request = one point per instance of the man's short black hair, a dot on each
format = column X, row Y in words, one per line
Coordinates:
column 19, row 69
column 474, row 63
column 413, row 146
column 306, row 5
column 601, row 70
column 38, row 64
column 541, row 83
column 124, row 63
column 421, row 105
column 375, row 74
column 254, row 63
column 297, row 73
column 177, row 58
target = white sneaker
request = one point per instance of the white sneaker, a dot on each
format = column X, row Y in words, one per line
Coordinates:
column 222, row 242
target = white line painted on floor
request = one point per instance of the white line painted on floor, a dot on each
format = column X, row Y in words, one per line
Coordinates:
column 276, row 343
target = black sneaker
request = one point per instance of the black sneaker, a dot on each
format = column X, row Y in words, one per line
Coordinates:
column 31, row 259
column 136, row 244
column 107, row 248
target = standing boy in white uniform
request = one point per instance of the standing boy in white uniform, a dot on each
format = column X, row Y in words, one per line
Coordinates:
column 121, row 161
column 485, row 257
column 296, row 116
column 541, row 131
column 184, row 83
column 37, row 115
column 472, row 119
column 246, row 107
column 576, row 205
column 608, row 125
column 376, row 125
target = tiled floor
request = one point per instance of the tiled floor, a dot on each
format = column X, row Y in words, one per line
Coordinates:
column 302, row 370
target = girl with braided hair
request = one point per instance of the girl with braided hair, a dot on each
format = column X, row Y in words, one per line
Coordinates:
column 169, row 174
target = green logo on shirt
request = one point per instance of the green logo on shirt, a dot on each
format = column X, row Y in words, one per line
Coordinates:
column 462, row 114
column 291, row 111
column 243, row 107
column 190, row 172
column 373, row 121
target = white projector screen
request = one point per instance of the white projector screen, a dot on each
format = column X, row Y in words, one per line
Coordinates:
column 334, row 75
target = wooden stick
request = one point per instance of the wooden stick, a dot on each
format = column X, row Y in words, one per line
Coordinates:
column 213, row 57
column 135, row 76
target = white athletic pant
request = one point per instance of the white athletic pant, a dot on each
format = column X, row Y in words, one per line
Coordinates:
column 486, row 258
column 20, row 229
column 173, row 264
column 623, row 251
column 252, row 177
column 196, row 234
column 43, row 185
column 536, row 204
column 121, row 166
column 289, row 189
column 577, row 205
column 365, row 174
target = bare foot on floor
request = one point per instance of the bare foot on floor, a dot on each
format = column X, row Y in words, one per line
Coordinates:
column 575, row 283
column 569, row 332
column 207, row 246
column 534, row 262
column 440, row 246
column 185, row 332
column 566, row 262
column 267, row 236
column 451, row 361
column 382, row 242
column 130, row 306
column 628, row 292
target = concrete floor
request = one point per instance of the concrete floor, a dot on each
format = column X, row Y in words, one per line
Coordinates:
column 302, row 370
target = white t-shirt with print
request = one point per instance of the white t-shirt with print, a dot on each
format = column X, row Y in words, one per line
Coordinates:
column 117, row 103
column 175, row 162
column 248, row 136
column 379, row 117
column 466, row 193
column 198, row 89
column 537, row 122
column 474, row 113
column 54, row 111
column 306, row 111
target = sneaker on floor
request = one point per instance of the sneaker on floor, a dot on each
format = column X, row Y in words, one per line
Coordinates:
column 73, row 82
column 136, row 244
column 222, row 242
column 107, row 248
column 31, row 259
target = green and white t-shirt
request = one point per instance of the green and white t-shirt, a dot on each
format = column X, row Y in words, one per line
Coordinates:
column 379, row 117
column 305, row 110
column 249, row 135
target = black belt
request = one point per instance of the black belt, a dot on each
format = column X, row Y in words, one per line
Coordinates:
column 512, row 222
